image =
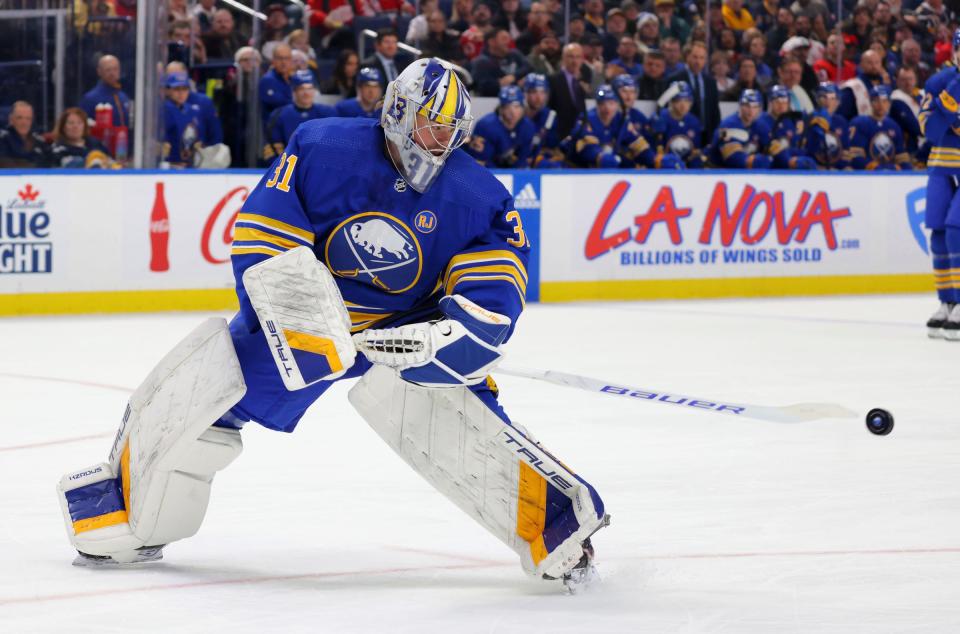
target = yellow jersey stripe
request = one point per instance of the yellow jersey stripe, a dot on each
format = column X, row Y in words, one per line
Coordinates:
column 246, row 234
column 252, row 250
column 496, row 278
column 277, row 225
column 481, row 256
column 507, row 270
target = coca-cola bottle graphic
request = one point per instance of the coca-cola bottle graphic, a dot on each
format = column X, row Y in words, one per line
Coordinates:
column 159, row 232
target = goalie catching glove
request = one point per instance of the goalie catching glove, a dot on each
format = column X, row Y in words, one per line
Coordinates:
column 458, row 350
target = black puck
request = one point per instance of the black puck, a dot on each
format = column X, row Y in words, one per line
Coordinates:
column 879, row 422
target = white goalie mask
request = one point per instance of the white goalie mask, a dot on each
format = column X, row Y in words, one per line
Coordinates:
column 429, row 88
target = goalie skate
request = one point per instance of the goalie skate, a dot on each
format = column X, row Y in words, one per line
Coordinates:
column 139, row 556
column 584, row 574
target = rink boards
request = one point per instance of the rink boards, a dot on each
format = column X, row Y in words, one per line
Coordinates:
column 73, row 242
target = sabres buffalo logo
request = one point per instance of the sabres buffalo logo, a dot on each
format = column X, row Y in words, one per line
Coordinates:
column 681, row 145
column 882, row 147
column 377, row 249
column 831, row 150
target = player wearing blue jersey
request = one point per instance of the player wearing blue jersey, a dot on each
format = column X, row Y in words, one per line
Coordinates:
column 504, row 137
column 677, row 131
column 636, row 134
column 185, row 124
column 386, row 231
column 286, row 119
column 827, row 130
column 940, row 122
column 545, row 147
column 369, row 91
column 742, row 138
column 786, row 134
column 875, row 141
column 212, row 130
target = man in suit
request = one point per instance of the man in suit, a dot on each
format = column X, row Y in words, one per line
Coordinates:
column 567, row 95
column 706, row 101
column 385, row 57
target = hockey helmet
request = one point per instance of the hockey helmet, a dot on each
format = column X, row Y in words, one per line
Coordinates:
column 302, row 78
column 535, row 81
column 682, row 89
column 368, row 75
column 880, row 91
column 827, row 88
column 778, row 91
column 623, row 80
column 431, row 89
column 510, row 94
column 605, row 92
column 751, row 96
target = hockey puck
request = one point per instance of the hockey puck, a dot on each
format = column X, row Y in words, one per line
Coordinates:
column 879, row 422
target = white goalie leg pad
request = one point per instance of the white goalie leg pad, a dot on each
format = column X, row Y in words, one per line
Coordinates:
column 303, row 317
column 491, row 470
column 156, row 485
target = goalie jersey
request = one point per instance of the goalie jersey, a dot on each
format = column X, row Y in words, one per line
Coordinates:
column 393, row 251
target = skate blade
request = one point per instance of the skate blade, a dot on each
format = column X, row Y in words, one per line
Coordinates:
column 142, row 556
column 582, row 580
column 935, row 333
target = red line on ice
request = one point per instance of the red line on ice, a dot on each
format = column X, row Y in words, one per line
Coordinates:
column 53, row 379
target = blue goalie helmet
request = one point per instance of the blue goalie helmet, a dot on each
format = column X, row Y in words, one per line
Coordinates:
column 827, row 88
column 510, row 94
column 427, row 100
column 778, row 91
column 605, row 92
column 368, row 75
column 535, row 81
column 683, row 91
column 624, row 81
column 751, row 96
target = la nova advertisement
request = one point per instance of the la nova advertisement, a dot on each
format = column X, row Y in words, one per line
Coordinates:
column 612, row 236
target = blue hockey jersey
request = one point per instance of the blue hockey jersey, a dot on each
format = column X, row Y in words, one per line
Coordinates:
column 940, row 121
column 620, row 143
column 786, row 139
column 739, row 146
column 825, row 139
column 545, row 146
column 212, row 130
column 492, row 144
column 184, row 130
column 285, row 120
column 876, row 145
column 679, row 136
column 393, row 251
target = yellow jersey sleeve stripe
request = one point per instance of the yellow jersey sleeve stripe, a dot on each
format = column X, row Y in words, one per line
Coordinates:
column 521, row 293
column 506, row 270
column 277, row 226
column 483, row 256
column 252, row 250
column 246, row 234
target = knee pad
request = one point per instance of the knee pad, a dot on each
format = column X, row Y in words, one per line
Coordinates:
column 155, row 486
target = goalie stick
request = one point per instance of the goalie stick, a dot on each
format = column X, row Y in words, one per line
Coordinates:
column 797, row 413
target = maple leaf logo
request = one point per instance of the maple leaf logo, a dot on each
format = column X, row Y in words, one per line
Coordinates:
column 28, row 193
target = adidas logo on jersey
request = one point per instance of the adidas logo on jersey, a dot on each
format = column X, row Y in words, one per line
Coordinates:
column 527, row 198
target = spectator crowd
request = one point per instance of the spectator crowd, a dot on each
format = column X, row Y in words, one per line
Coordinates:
column 808, row 89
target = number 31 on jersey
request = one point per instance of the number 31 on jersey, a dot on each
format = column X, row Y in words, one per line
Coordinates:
column 284, row 183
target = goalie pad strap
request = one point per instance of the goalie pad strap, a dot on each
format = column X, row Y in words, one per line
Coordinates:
column 487, row 467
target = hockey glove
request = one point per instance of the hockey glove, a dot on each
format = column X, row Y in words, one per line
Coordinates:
column 458, row 350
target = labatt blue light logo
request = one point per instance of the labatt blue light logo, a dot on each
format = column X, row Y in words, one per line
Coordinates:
column 377, row 249
column 25, row 245
column 916, row 208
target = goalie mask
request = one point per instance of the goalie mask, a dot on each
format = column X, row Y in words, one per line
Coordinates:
column 431, row 89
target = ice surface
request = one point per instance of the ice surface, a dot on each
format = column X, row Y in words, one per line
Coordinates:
column 719, row 525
